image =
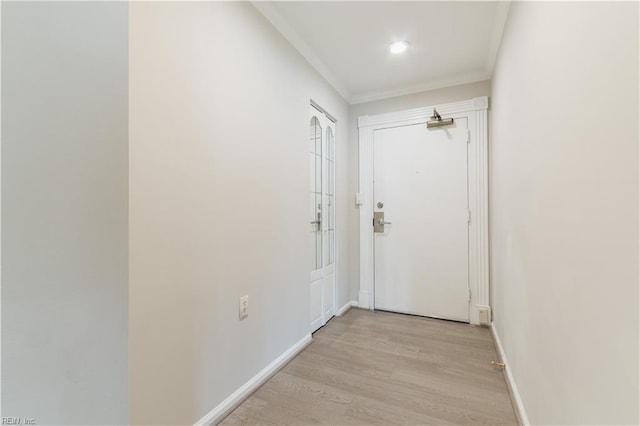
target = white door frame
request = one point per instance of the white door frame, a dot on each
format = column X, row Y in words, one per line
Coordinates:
column 316, row 109
column 475, row 111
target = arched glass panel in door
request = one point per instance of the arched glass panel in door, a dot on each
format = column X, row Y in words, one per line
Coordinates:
column 322, row 217
column 330, row 196
column 316, row 188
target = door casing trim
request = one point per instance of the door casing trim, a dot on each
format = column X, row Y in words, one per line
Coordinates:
column 316, row 109
column 475, row 110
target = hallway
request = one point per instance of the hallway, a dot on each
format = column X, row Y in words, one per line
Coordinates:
column 210, row 210
column 383, row 368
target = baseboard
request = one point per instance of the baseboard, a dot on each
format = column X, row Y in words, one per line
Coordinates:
column 363, row 299
column 346, row 307
column 513, row 388
column 231, row 403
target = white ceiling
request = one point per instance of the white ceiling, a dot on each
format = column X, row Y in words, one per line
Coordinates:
column 451, row 42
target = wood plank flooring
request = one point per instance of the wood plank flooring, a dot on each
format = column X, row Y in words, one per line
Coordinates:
column 369, row 368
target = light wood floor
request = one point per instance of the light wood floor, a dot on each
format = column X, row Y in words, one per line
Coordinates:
column 381, row 368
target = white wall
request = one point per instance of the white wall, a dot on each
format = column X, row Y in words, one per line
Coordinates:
column 399, row 103
column 64, row 212
column 218, row 203
column 564, row 209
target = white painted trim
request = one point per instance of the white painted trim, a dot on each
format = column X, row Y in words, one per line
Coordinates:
column 243, row 392
column 475, row 111
column 270, row 12
column 499, row 21
column 337, row 225
column 422, row 114
column 449, row 81
column 347, row 306
column 327, row 122
column 315, row 325
column 515, row 394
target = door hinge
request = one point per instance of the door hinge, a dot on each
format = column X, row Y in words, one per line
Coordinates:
column 468, row 136
column 469, row 294
column 468, row 216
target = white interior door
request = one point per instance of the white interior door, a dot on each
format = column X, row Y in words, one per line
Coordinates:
column 420, row 186
column 322, row 217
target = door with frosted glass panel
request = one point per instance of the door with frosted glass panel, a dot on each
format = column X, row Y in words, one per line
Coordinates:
column 322, row 218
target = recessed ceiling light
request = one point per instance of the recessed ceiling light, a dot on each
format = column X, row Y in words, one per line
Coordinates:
column 398, row 46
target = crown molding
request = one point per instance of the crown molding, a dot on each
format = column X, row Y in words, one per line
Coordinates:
column 269, row 11
column 466, row 78
column 422, row 114
column 499, row 22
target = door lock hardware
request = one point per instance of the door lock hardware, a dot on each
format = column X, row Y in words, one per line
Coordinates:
column 380, row 205
column 379, row 222
column 498, row 364
column 318, row 221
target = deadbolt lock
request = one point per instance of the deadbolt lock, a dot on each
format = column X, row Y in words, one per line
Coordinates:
column 380, row 204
